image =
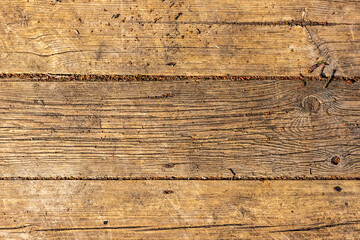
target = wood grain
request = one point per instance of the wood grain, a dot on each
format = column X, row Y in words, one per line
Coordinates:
column 180, row 128
column 179, row 210
column 189, row 37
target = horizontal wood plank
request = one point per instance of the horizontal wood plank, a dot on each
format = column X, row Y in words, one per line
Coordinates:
column 181, row 128
column 179, row 209
column 189, row 37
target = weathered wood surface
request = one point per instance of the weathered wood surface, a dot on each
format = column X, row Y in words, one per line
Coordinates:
column 189, row 37
column 202, row 128
column 179, row 210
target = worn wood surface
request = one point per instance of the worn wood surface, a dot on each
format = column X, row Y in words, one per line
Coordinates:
column 257, row 128
column 180, row 128
column 179, row 210
column 189, row 37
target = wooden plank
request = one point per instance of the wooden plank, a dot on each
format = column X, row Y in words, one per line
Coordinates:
column 176, row 38
column 180, row 209
column 181, row 128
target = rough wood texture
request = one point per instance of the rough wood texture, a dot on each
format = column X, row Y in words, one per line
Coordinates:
column 189, row 37
column 180, row 210
column 258, row 128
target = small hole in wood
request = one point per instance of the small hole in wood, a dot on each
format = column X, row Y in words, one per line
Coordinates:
column 337, row 188
column 106, row 222
column 168, row 191
column 335, row 160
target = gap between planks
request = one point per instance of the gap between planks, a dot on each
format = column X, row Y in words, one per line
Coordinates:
column 235, row 178
column 51, row 77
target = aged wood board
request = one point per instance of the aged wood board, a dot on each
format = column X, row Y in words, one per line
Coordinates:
column 179, row 128
column 90, row 156
column 179, row 210
column 189, row 37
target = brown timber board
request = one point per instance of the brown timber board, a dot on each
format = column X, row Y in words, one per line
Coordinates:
column 100, row 127
column 179, row 210
column 189, row 37
column 181, row 128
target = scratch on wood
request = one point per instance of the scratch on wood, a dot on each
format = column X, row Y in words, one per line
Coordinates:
column 232, row 171
column 165, row 95
column 177, row 16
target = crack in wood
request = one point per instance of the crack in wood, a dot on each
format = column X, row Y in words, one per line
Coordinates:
column 239, row 226
column 319, row 227
column 243, row 226
column 86, row 228
column 52, row 54
column 14, row 228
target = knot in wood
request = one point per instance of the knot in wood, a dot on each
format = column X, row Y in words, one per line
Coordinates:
column 311, row 104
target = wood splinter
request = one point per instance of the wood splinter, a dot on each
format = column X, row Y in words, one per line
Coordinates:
column 316, row 65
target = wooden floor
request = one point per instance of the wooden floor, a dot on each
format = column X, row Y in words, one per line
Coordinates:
column 164, row 119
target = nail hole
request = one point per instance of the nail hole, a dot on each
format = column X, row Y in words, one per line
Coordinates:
column 335, row 160
column 337, row 188
column 106, row 222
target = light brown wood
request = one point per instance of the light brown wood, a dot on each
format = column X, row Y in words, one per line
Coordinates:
column 180, row 128
column 189, row 37
column 179, row 210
